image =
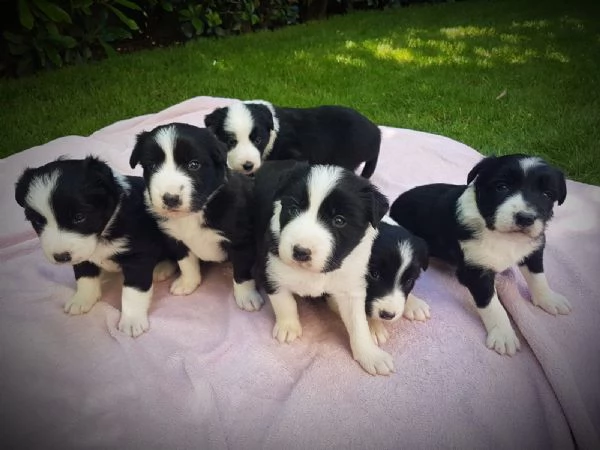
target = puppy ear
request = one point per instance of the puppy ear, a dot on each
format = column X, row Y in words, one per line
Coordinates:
column 422, row 250
column 218, row 152
column 378, row 205
column 562, row 187
column 212, row 120
column 138, row 149
column 22, row 186
column 100, row 179
column 479, row 167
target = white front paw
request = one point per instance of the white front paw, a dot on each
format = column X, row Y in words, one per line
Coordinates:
column 553, row 303
column 163, row 270
column 133, row 325
column 375, row 361
column 416, row 309
column 80, row 303
column 379, row 333
column 287, row 330
column 503, row 340
column 246, row 296
column 185, row 285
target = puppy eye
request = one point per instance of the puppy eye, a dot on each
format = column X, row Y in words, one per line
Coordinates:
column 78, row 218
column 293, row 210
column 548, row 194
column 231, row 142
column 257, row 140
column 374, row 275
column 339, row 221
column 410, row 283
column 193, row 165
column 501, row 187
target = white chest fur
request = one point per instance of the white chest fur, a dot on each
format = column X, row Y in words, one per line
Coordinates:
column 204, row 242
column 106, row 250
column 497, row 250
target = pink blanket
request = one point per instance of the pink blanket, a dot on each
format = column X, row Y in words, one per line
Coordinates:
column 208, row 375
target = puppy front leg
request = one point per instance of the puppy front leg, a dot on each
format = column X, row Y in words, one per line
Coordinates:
column 245, row 293
column 500, row 335
column 189, row 266
column 552, row 302
column 364, row 350
column 416, row 309
column 88, row 290
column 135, row 299
column 287, row 322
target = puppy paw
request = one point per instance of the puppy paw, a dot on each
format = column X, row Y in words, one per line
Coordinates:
column 164, row 270
column 185, row 285
column 133, row 325
column 375, row 361
column 416, row 309
column 379, row 332
column 246, row 296
column 553, row 303
column 287, row 331
column 503, row 340
column 80, row 304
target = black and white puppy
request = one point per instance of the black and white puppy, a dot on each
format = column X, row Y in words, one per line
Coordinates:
column 92, row 218
column 495, row 222
column 255, row 131
column 199, row 202
column 315, row 228
column 397, row 258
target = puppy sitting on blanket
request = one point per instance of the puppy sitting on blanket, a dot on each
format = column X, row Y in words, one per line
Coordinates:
column 256, row 131
column 94, row 219
column 315, row 227
column 496, row 221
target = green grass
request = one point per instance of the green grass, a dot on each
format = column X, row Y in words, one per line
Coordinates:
column 437, row 68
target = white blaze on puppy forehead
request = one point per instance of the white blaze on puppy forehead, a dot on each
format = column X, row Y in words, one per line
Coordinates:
column 406, row 256
column 530, row 162
column 169, row 179
column 39, row 194
column 240, row 123
column 321, row 181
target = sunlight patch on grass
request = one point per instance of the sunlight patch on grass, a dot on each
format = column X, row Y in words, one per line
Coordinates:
column 349, row 61
column 469, row 31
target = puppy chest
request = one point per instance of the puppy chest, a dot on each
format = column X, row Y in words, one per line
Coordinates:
column 205, row 243
column 104, row 253
column 498, row 251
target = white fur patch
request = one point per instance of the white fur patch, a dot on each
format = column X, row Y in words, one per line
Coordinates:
column 491, row 248
column 306, row 230
column 387, row 219
column 529, row 163
column 169, row 179
column 87, row 294
column 541, row 294
column 504, row 221
column 416, row 309
column 246, row 295
column 190, row 277
column 239, row 122
column 134, row 311
column 500, row 335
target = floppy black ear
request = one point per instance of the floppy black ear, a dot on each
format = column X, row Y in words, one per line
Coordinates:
column 378, row 205
column 212, row 120
column 100, row 179
column 22, row 186
column 285, row 172
column 138, row 149
column 562, row 187
column 422, row 250
column 479, row 167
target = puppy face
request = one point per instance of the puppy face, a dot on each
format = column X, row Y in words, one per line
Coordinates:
column 397, row 258
column 247, row 129
column 69, row 203
column 321, row 213
column 516, row 193
column 183, row 166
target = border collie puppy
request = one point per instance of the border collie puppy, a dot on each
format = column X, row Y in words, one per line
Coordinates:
column 315, row 228
column 199, row 202
column 397, row 258
column 496, row 221
column 255, row 131
column 93, row 219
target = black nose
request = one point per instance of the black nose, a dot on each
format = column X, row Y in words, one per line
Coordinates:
column 171, row 201
column 523, row 219
column 386, row 315
column 247, row 166
column 301, row 254
column 62, row 257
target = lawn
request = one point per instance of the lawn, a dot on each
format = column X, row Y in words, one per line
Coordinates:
column 501, row 76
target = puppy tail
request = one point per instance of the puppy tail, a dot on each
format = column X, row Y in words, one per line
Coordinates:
column 369, row 168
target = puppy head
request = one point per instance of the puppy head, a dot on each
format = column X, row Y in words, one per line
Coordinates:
column 516, row 193
column 183, row 166
column 397, row 258
column 69, row 203
column 248, row 129
column 321, row 214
